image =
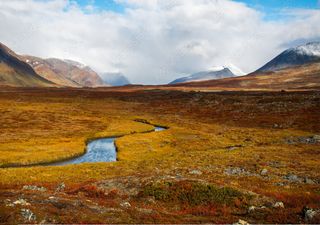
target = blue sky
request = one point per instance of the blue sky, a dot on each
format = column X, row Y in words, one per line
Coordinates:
column 103, row 4
column 271, row 8
column 269, row 4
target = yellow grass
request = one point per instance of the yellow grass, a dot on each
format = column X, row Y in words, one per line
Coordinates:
column 56, row 129
column 43, row 129
column 40, row 129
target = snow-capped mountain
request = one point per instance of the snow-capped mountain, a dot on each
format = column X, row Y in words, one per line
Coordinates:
column 235, row 70
column 213, row 73
column 115, row 79
column 296, row 56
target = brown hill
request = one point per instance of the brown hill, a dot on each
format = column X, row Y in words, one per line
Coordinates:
column 301, row 77
column 14, row 72
column 47, row 71
column 65, row 72
column 84, row 76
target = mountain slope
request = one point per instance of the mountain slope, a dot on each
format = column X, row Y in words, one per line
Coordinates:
column 115, row 79
column 303, row 77
column 300, row 55
column 65, row 72
column 215, row 73
column 47, row 71
column 82, row 75
column 14, row 72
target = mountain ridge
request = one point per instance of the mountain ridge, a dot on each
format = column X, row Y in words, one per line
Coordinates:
column 303, row 77
column 296, row 56
column 44, row 69
column 15, row 72
column 212, row 74
column 65, row 72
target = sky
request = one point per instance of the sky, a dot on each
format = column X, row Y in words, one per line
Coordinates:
column 157, row 41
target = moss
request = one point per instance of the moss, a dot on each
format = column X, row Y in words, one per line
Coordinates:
column 192, row 193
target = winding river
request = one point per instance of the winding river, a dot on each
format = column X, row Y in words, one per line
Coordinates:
column 99, row 150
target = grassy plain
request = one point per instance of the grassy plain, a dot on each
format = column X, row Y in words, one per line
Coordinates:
column 205, row 168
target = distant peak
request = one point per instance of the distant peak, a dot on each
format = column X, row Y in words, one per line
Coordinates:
column 311, row 48
column 235, row 70
column 296, row 56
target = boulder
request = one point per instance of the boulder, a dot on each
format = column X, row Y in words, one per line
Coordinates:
column 236, row 171
column 21, row 202
column 195, row 172
column 293, row 178
column 309, row 213
column 264, row 172
column 125, row 204
column 278, row 205
column 60, row 187
column 34, row 188
column 241, row 222
column 28, row 215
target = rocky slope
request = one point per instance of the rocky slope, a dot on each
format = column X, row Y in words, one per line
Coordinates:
column 14, row 72
column 49, row 72
column 28, row 71
column 303, row 54
column 65, row 72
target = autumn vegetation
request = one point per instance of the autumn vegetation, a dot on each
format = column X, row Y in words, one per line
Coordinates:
column 180, row 175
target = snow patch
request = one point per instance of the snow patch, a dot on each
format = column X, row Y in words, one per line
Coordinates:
column 235, row 70
column 312, row 49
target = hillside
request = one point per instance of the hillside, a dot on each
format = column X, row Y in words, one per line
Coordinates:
column 300, row 77
column 300, row 55
column 213, row 74
column 47, row 71
column 65, row 72
column 14, row 72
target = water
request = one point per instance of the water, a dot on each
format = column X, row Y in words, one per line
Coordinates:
column 100, row 150
column 159, row 128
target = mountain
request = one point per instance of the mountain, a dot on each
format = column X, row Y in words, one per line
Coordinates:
column 115, row 79
column 304, row 77
column 212, row 74
column 14, row 72
column 77, row 72
column 65, row 72
column 48, row 71
column 24, row 70
column 300, row 55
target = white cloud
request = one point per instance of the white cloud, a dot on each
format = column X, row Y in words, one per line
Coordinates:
column 153, row 41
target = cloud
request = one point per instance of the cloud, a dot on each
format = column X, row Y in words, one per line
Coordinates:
column 152, row 41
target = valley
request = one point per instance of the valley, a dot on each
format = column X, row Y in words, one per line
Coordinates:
column 233, row 155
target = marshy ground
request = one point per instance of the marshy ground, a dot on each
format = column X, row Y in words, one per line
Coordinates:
column 226, row 156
